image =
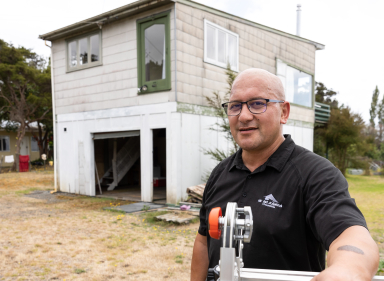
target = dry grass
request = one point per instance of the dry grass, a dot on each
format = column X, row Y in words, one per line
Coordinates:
column 75, row 239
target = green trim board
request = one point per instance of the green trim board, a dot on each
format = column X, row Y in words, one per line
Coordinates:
column 210, row 111
column 195, row 109
column 298, row 123
column 144, row 69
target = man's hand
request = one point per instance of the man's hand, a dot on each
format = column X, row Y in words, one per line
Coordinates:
column 352, row 256
column 200, row 262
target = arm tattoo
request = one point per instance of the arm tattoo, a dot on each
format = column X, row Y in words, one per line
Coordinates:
column 351, row 249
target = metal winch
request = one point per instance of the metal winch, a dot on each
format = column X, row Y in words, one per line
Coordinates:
column 233, row 230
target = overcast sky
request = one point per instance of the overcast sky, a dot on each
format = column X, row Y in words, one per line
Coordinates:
column 353, row 33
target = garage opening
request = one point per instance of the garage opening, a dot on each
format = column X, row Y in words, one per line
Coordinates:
column 117, row 161
column 159, row 166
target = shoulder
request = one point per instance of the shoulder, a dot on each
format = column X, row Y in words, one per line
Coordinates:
column 312, row 167
column 305, row 160
column 223, row 167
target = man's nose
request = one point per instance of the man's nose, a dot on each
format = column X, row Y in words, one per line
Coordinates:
column 245, row 114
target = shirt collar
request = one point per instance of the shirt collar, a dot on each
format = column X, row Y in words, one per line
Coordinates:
column 277, row 160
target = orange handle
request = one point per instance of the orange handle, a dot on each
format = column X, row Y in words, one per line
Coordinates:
column 213, row 223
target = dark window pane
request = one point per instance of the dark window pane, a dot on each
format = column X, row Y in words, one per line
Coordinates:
column 83, row 44
column 155, row 52
column 72, row 54
column 95, row 48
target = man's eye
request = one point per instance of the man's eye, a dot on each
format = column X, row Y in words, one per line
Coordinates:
column 256, row 104
column 235, row 106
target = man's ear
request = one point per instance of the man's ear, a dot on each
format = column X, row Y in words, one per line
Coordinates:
column 285, row 110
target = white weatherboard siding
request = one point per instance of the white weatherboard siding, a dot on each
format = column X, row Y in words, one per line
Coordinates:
column 186, row 135
column 114, row 83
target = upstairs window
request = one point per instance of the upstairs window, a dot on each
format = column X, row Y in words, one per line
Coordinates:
column 298, row 85
column 153, row 54
column 84, row 51
column 221, row 46
column 4, row 143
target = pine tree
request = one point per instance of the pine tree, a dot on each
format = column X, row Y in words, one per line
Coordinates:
column 373, row 110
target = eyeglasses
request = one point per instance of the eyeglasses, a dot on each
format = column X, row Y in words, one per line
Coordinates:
column 255, row 106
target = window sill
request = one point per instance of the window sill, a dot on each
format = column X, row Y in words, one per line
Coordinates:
column 154, row 92
column 83, row 67
column 220, row 65
column 302, row 106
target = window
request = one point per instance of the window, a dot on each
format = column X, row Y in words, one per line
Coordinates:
column 298, row 85
column 221, row 46
column 153, row 54
column 84, row 51
column 34, row 145
column 4, row 143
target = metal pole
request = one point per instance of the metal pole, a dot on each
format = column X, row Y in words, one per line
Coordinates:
column 298, row 21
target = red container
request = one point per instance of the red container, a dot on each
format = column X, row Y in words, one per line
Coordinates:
column 159, row 182
column 23, row 163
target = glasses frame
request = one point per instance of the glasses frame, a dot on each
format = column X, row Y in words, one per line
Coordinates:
column 248, row 106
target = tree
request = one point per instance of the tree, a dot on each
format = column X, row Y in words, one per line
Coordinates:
column 25, row 88
column 325, row 95
column 380, row 117
column 344, row 137
column 222, row 126
column 373, row 110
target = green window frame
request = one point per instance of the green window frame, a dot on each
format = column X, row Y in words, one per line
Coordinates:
column 146, row 83
column 77, row 61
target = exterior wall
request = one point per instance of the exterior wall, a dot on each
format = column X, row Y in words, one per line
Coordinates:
column 114, row 83
column 257, row 48
column 33, row 155
column 186, row 134
column 105, row 99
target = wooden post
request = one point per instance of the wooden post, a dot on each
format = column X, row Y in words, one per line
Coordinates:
column 114, row 162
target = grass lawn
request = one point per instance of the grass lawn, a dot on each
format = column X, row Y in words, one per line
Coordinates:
column 73, row 238
column 368, row 192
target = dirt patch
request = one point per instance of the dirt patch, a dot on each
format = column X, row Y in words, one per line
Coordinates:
column 61, row 236
column 45, row 195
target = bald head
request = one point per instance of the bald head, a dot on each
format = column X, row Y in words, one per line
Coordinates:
column 262, row 79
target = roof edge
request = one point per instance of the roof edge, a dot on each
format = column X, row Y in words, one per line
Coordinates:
column 200, row 6
column 107, row 17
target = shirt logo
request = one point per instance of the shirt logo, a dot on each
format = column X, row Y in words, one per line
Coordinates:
column 270, row 201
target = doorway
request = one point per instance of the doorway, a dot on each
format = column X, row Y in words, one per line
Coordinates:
column 159, row 166
column 117, row 165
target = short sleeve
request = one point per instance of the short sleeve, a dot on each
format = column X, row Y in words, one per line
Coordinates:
column 330, row 208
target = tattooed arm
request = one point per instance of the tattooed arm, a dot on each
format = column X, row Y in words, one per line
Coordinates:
column 352, row 256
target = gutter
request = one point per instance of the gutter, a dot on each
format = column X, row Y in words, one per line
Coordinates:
column 99, row 20
column 54, row 122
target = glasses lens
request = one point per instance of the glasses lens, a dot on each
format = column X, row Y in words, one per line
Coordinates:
column 233, row 108
column 257, row 106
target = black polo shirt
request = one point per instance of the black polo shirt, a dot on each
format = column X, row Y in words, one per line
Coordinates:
column 300, row 204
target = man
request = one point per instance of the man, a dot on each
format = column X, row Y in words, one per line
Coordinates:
column 312, row 210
